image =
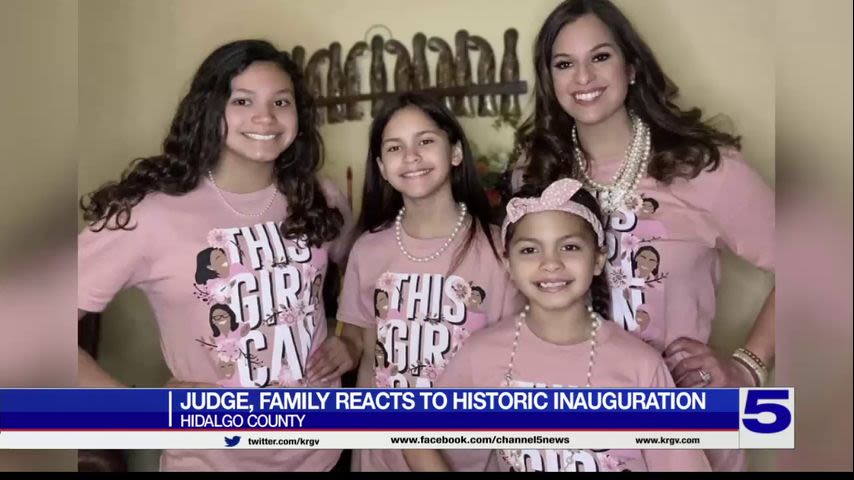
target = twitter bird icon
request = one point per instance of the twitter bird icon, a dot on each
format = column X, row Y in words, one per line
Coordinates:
column 232, row 441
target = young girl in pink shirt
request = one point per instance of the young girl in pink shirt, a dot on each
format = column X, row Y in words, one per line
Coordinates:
column 425, row 273
column 228, row 232
column 555, row 253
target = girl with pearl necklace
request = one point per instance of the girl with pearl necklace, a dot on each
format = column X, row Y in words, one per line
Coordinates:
column 554, row 249
column 425, row 274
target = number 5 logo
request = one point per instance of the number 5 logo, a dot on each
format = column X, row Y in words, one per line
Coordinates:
column 762, row 401
column 767, row 418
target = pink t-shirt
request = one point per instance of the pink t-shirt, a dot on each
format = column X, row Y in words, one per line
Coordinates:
column 236, row 305
column 664, row 264
column 423, row 314
column 664, row 261
column 540, row 364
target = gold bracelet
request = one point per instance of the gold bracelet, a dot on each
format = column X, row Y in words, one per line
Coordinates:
column 754, row 363
column 753, row 356
column 750, row 370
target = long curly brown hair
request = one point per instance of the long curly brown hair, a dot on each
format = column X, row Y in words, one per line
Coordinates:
column 195, row 140
column 683, row 145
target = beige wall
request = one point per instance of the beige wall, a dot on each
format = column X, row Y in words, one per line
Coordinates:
column 136, row 58
column 38, row 54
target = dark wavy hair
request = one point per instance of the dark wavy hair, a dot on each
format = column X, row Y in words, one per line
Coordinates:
column 599, row 290
column 683, row 145
column 195, row 141
column 381, row 202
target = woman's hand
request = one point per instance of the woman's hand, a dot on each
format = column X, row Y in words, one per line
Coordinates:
column 703, row 367
column 332, row 359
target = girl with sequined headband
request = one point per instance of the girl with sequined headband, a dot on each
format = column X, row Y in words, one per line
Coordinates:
column 555, row 253
column 605, row 113
column 230, row 223
column 427, row 240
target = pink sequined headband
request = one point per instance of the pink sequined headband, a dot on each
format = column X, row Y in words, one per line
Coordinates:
column 556, row 197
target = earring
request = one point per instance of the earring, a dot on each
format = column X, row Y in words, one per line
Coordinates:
column 632, row 81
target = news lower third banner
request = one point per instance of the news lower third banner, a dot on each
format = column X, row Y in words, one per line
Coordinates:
column 579, row 418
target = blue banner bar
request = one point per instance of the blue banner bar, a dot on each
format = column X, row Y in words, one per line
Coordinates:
column 370, row 409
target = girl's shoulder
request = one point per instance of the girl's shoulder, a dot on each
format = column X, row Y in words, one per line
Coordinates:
column 492, row 336
column 479, row 260
column 374, row 241
column 626, row 344
column 483, row 237
column 151, row 208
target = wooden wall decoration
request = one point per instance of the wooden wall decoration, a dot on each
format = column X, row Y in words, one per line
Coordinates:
column 467, row 94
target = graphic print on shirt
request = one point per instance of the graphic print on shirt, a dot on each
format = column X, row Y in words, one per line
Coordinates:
column 534, row 460
column 634, row 268
column 422, row 321
column 263, row 292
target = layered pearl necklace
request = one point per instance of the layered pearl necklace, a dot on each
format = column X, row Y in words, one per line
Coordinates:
column 238, row 212
column 621, row 192
column 433, row 256
column 515, row 457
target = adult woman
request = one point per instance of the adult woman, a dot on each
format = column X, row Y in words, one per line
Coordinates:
column 604, row 110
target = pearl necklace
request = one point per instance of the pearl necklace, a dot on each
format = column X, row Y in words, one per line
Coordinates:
column 508, row 377
column 238, row 212
column 621, row 192
column 515, row 457
column 434, row 255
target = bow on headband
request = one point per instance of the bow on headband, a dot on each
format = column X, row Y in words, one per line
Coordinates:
column 556, row 197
